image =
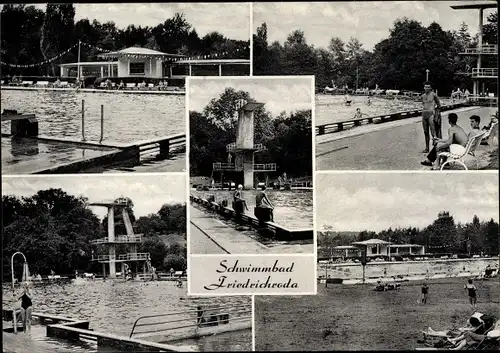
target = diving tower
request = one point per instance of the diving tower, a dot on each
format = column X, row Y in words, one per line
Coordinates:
column 130, row 241
column 480, row 74
column 244, row 149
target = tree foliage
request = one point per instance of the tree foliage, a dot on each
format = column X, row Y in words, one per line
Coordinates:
column 399, row 61
column 288, row 137
column 442, row 236
column 30, row 36
column 53, row 230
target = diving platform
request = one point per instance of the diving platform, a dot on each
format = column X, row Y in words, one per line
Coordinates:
column 122, row 239
column 485, row 73
column 482, row 50
column 256, row 147
column 123, row 257
column 257, row 167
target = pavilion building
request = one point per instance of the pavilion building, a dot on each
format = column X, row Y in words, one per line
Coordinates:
column 151, row 64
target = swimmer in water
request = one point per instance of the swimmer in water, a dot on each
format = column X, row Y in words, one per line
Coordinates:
column 368, row 101
column 359, row 114
column 348, row 100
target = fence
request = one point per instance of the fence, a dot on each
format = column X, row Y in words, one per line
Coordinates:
column 341, row 125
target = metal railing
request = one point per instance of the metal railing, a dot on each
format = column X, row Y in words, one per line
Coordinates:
column 224, row 166
column 485, row 72
column 134, row 256
column 257, row 146
column 193, row 318
column 341, row 125
column 161, row 146
column 119, row 239
column 129, row 257
column 485, row 49
column 267, row 167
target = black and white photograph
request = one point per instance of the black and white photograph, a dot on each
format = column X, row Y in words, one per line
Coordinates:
column 98, row 88
column 400, row 85
column 406, row 261
column 251, row 165
column 95, row 263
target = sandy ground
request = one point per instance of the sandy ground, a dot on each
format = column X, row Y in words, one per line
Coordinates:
column 343, row 317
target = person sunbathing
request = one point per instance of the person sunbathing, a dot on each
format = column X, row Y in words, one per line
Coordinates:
column 469, row 338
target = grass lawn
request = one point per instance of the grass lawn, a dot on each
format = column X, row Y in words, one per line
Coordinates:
column 354, row 317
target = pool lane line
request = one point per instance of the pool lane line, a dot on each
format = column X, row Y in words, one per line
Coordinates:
column 209, row 237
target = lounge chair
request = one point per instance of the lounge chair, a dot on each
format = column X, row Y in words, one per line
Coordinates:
column 470, row 148
column 493, row 130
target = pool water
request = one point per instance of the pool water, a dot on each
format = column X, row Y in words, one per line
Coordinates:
column 293, row 209
column 127, row 117
column 113, row 307
column 331, row 109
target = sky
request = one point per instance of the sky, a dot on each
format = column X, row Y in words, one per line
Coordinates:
column 369, row 22
column 148, row 192
column 377, row 201
column 230, row 19
column 279, row 94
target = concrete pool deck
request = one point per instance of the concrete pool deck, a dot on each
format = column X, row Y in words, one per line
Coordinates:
column 391, row 146
column 210, row 235
column 43, row 155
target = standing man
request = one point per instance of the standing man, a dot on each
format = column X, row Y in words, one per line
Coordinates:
column 431, row 117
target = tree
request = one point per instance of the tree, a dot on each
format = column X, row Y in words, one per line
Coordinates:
column 57, row 31
column 178, row 263
column 51, row 228
column 157, row 250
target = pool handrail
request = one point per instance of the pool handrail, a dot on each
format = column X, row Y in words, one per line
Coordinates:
column 223, row 310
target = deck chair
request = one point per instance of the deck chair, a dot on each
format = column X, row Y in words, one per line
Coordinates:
column 470, row 148
column 492, row 131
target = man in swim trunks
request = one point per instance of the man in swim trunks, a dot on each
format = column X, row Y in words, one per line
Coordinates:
column 457, row 139
column 471, row 290
column 431, row 118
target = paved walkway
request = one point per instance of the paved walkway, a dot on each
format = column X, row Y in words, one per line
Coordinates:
column 226, row 237
column 390, row 146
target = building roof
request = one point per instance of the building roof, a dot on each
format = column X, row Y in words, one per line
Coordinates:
column 475, row 5
column 345, row 247
column 90, row 63
column 372, row 242
column 137, row 52
column 213, row 62
column 406, row 245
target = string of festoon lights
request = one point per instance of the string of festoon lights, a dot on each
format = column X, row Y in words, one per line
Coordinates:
column 129, row 56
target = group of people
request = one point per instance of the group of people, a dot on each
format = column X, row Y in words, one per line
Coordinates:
column 457, row 139
column 469, row 288
column 262, row 202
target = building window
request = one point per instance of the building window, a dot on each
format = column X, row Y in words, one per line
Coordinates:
column 374, row 250
column 137, row 68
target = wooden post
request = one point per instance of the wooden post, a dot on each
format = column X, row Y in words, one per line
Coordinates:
column 83, row 119
column 102, row 122
column 326, row 275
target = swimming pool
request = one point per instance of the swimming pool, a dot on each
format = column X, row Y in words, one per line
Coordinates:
column 293, row 209
column 331, row 109
column 127, row 118
column 113, row 306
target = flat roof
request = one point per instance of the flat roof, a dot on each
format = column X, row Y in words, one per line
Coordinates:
column 345, row 247
column 406, row 245
column 90, row 63
column 475, row 5
column 214, row 61
column 139, row 52
column 372, row 242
